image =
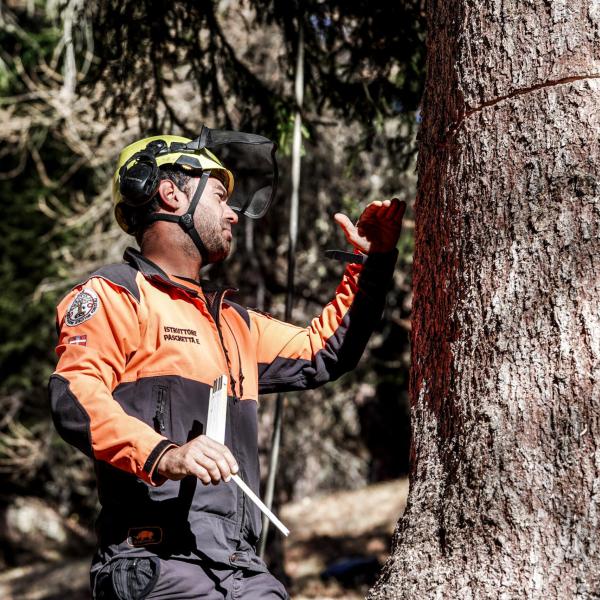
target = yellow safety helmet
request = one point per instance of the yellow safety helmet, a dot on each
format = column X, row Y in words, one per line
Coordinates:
column 250, row 156
column 137, row 176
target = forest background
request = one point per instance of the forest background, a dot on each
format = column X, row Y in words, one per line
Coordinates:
column 78, row 83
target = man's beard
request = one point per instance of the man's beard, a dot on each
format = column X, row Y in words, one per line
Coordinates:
column 211, row 232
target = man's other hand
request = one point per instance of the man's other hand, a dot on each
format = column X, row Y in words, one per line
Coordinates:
column 378, row 228
column 202, row 457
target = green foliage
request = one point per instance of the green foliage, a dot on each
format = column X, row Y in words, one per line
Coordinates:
column 363, row 61
column 24, row 230
column 32, row 458
column 30, row 39
column 285, row 131
column 23, row 322
column 28, row 241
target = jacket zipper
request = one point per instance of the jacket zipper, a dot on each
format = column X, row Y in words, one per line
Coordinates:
column 159, row 415
column 215, row 312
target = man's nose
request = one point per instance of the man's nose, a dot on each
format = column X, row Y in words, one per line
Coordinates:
column 231, row 215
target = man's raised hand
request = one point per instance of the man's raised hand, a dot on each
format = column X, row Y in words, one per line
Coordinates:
column 378, row 227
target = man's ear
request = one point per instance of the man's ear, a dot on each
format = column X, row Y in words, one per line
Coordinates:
column 170, row 196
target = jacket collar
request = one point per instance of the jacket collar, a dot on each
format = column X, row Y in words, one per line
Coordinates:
column 151, row 270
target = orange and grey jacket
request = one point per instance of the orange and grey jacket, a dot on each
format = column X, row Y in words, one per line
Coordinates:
column 138, row 353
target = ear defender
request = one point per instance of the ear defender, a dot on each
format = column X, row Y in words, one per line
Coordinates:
column 138, row 183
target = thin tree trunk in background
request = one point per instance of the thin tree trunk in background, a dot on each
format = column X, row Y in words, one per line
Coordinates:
column 504, row 499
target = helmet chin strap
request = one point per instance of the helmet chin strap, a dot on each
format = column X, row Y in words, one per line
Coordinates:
column 186, row 221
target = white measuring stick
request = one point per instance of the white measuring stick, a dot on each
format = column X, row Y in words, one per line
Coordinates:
column 261, row 505
column 215, row 429
column 217, row 410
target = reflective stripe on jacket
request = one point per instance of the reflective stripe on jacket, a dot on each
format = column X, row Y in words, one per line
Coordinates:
column 138, row 353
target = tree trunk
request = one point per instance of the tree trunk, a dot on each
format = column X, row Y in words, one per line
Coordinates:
column 504, row 498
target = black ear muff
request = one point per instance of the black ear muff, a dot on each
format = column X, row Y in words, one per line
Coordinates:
column 139, row 182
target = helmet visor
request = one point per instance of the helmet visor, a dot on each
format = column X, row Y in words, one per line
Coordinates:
column 251, row 158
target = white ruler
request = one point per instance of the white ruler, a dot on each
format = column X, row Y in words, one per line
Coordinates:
column 261, row 505
column 217, row 410
column 215, row 429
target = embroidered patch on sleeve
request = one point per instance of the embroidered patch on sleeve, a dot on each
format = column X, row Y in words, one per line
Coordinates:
column 79, row 340
column 83, row 307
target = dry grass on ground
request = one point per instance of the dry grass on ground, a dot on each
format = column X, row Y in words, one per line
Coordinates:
column 349, row 530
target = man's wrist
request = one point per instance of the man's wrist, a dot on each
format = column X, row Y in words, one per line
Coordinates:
column 157, row 475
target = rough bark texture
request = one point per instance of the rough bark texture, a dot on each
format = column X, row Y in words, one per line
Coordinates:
column 505, row 486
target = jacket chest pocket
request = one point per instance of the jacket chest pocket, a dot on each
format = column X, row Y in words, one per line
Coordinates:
column 161, row 405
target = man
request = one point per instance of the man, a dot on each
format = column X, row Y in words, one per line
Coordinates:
column 141, row 343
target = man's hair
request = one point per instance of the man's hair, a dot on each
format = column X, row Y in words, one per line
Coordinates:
column 136, row 216
column 180, row 177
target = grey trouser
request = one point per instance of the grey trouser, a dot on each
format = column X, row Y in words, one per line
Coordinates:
column 158, row 579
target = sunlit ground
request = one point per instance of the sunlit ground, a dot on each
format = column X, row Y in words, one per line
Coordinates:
column 335, row 549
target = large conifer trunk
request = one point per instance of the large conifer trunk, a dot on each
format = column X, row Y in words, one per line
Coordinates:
column 505, row 486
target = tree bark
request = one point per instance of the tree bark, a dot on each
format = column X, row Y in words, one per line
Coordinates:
column 504, row 498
